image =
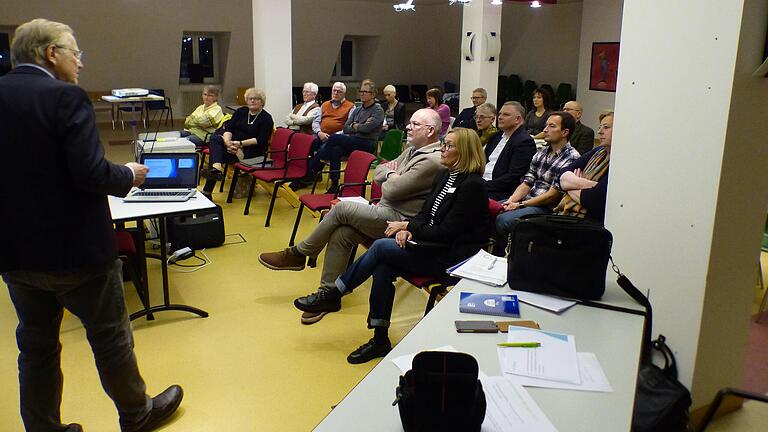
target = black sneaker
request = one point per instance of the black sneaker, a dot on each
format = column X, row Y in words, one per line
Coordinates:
column 369, row 351
column 324, row 300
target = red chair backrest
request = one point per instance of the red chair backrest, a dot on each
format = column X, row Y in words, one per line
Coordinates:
column 298, row 152
column 280, row 141
column 358, row 165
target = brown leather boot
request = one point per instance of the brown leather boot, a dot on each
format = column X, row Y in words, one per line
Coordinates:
column 283, row 260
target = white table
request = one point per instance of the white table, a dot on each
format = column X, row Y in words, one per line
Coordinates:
column 138, row 211
column 615, row 338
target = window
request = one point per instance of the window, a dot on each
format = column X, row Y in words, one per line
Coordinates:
column 199, row 59
column 5, row 54
column 344, row 68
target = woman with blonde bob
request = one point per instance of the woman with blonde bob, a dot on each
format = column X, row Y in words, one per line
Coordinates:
column 451, row 226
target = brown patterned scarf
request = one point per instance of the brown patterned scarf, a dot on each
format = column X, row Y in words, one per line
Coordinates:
column 595, row 170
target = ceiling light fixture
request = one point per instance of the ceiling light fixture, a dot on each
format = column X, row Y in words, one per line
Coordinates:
column 535, row 4
column 496, row 2
column 463, row 2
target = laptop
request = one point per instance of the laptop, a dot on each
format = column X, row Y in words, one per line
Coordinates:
column 172, row 177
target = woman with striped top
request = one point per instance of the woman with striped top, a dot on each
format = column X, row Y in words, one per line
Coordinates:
column 451, row 226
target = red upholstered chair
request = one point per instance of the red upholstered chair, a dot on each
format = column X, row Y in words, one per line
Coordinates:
column 278, row 154
column 296, row 167
column 126, row 250
column 355, row 175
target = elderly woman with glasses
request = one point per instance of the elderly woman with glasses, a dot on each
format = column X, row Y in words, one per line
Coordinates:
column 246, row 135
column 205, row 118
column 451, row 226
column 485, row 117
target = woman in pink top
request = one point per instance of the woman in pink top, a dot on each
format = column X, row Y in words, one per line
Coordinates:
column 435, row 101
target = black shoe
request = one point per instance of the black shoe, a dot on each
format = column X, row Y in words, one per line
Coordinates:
column 74, row 427
column 369, row 351
column 163, row 406
column 324, row 300
column 296, row 185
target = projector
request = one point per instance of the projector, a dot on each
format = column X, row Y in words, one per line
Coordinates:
column 130, row 92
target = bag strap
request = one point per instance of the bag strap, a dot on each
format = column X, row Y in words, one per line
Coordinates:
column 670, row 365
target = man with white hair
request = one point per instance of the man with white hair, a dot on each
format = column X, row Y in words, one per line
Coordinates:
column 405, row 184
column 304, row 114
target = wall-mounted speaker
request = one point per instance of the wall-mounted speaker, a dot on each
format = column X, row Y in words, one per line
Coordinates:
column 467, row 46
column 492, row 46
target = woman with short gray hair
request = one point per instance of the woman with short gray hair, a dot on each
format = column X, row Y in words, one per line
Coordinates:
column 204, row 119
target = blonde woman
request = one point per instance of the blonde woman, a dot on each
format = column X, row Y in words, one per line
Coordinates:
column 205, row 118
column 455, row 216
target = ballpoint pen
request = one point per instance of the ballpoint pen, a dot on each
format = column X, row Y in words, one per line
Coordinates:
column 519, row 344
column 493, row 263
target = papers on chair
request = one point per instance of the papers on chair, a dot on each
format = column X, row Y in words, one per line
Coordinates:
column 482, row 267
column 357, row 199
column 542, row 301
column 404, row 362
column 509, row 407
column 554, row 360
column 592, row 377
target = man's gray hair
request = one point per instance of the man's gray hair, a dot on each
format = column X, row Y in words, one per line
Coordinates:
column 33, row 38
column 482, row 91
column 516, row 105
column 340, row 84
column 311, row 87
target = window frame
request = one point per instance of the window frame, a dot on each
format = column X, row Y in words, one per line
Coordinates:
column 337, row 66
column 215, row 79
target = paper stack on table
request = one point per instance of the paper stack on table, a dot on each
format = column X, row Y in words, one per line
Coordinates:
column 482, row 267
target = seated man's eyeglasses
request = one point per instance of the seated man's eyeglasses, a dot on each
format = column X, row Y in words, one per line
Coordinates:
column 77, row 53
column 481, row 117
column 365, row 91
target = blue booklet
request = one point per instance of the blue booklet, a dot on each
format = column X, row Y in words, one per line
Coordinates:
column 490, row 304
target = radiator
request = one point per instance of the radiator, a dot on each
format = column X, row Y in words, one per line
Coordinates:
column 190, row 99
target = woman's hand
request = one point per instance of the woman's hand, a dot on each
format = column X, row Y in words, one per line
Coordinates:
column 402, row 237
column 393, row 227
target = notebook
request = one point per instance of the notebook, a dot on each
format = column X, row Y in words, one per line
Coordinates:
column 171, row 177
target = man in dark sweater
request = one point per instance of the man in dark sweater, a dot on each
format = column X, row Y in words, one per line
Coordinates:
column 361, row 132
column 583, row 137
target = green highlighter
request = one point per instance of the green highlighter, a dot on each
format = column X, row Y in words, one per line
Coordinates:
column 519, row 344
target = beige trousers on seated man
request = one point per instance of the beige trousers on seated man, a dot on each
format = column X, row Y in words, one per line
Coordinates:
column 347, row 225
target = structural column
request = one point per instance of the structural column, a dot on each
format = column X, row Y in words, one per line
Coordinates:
column 272, row 54
column 480, row 19
column 687, row 194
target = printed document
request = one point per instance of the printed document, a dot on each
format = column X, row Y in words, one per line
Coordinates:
column 554, row 360
column 509, row 407
column 550, row 303
column 592, row 377
column 484, row 268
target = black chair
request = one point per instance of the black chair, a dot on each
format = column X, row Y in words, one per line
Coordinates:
column 728, row 391
column 528, row 89
column 164, row 106
column 297, row 95
column 564, row 94
column 449, row 87
column 404, row 92
column 324, row 93
column 515, row 88
column 503, row 91
column 419, row 93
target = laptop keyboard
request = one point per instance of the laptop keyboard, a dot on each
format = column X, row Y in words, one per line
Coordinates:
column 160, row 194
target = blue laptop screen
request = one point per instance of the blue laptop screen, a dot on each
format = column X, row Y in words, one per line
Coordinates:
column 170, row 170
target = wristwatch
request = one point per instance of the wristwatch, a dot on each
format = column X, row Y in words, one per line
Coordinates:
column 522, row 205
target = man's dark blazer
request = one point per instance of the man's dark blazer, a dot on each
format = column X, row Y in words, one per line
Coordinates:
column 399, row 113
column 461, row 220
column 466, row 118
column 54, row 180
column 582, row 138
column 513, row 162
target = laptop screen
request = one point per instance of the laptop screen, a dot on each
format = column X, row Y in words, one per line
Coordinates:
column 170, row 170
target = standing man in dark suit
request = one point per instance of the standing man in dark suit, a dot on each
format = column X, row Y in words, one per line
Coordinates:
column 58, row 247
column 508, row 153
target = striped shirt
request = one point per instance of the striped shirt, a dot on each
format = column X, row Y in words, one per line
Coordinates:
column 441, row 196
column 545, row 169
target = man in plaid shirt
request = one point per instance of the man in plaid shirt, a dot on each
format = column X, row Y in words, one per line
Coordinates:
column 538, row 191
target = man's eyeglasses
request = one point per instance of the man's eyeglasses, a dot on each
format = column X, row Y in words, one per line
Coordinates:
column 77, row 53
column 476, row 97
column 481, row 117
column 365, row 91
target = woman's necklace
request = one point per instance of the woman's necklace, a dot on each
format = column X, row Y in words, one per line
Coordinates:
column 251, row 121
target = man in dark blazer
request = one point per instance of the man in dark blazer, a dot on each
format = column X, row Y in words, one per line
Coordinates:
column 583, row 137
column 466, row 117
column 508, row 153
column 58, row 248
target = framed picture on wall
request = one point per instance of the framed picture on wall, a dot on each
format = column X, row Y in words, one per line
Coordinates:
column 604, row 67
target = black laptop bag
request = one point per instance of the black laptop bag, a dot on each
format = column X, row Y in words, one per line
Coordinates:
column 199, row 230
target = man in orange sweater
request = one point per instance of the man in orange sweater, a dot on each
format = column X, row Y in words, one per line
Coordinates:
column 333, row 115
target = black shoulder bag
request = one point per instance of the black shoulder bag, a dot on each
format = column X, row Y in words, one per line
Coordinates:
column 661, row 401
column 441, row 393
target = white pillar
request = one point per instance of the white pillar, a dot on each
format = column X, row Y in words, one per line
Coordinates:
column 481, row 18
column 272, row 55
column 688, row 191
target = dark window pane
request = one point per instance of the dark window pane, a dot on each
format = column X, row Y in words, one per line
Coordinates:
column 205, row 47
column 186, row 56
column 5, row 54
column 334, row 70
column 346, row 58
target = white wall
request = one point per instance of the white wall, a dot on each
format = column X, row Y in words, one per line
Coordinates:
column 406, row 48
column 601, row 22
column 541, row 44
column 137, row 43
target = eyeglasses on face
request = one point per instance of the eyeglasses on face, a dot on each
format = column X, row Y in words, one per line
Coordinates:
column 252, row 99
column 365, row 91
column 337, row 90
column 476, row 97
column 482, row 117
column 78, row 53
column 446, row 146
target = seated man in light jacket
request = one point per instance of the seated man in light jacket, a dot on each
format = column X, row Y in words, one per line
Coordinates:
column 300, row 120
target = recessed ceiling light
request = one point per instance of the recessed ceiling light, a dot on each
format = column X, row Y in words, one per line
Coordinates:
column 535, row 4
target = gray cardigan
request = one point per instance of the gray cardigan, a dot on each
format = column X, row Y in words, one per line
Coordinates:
column 369, row 122
column 416, row 170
